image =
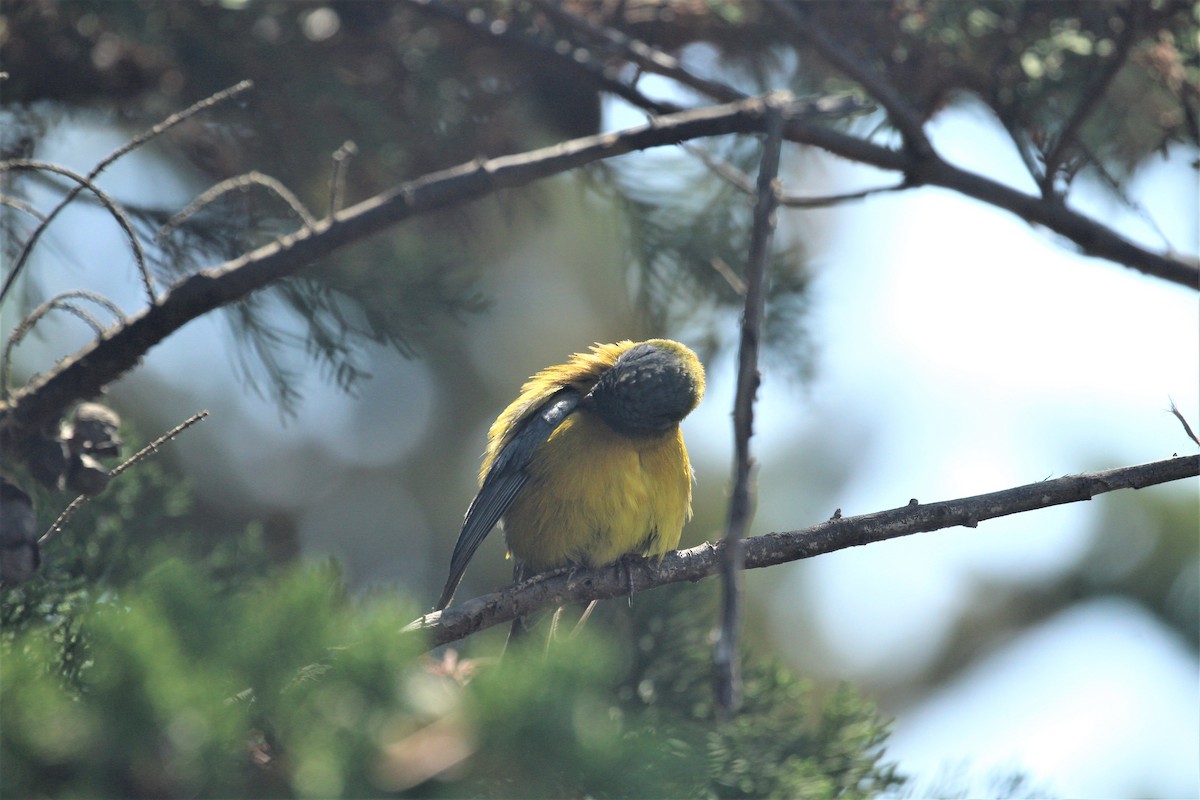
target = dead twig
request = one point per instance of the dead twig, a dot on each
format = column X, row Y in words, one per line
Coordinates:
column 112, row 206
column 104, row 163
column 1183, row 421
column 140, row 455
column 741, row 502
column 253, row 178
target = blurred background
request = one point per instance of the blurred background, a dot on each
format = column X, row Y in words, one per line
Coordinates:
column 920, row 344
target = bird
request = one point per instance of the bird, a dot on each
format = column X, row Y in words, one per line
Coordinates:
column 588, row 464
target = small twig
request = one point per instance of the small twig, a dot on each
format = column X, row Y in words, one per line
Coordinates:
column 732, row 278
column 151, row 448
column 906, row 119
column 644, row 56
column 253, row 178
column 1025, row 151
column 1091, row 96
column 725, row 654
column 575, row 60
column 1139, row 209
column 140, row 455
column 21, row 205
column 58, row 302
column 1182, row 421
column 795, row 201
column 721, row 168
column 135, row 142
column 172, row 121
column 112, row 206
column 337, row 182
column 740, row 181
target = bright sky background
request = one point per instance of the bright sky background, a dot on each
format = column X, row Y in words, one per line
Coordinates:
column 1006, row 359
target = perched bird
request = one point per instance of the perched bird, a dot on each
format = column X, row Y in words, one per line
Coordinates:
column 588, row 464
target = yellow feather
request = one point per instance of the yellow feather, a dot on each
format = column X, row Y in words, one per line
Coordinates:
column 593, row 494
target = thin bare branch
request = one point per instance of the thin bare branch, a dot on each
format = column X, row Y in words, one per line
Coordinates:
column 839, row 533
column 795, row 201
column 741, row 502
column 140, row 455
column 1183, row 421
column 1026, row 152
column 21, row 205
column 721, row 168
column 104, row 163
column 1091, row 96
column 740, row 181
column 732, row 278
column 253, row 178
column 811, row 30
column 112, row 206
column 1114, row 185
column 152, row 448
column 572, row 59
column 102, row 361
column 337, row 182
column 645, row 57
column 61, row 302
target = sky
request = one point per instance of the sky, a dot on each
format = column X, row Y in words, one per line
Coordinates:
column 1005, row 359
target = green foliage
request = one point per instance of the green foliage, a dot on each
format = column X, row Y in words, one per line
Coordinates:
column 789, row 740
column 179, row 679
column 289, row 687
column 284, row 685
column 147, row 660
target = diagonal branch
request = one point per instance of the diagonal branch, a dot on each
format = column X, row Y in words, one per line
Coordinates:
column 649, row 59
column 809, row 28
column 584, row 585
column 1091, row 96
column 115, row 209
column 919, row 162
column 84, row 374
column 576, row 61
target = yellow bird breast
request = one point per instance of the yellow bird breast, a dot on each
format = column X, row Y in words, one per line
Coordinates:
column 595, row 495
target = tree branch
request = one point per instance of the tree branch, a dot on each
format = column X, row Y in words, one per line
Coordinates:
column 918, row 162
column 618, row 580
column 102, row 361
column 741, row 501
column 906, row 119
column 637, row 52
column 104, row 163
column 85, row 373
column 1092, row 94
column 576, row 60
column 1092, row 237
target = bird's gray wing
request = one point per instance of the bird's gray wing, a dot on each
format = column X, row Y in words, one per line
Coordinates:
column 504, row 481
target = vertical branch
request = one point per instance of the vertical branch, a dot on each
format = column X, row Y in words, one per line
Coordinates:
column 725, row 659
column 1091, row 97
